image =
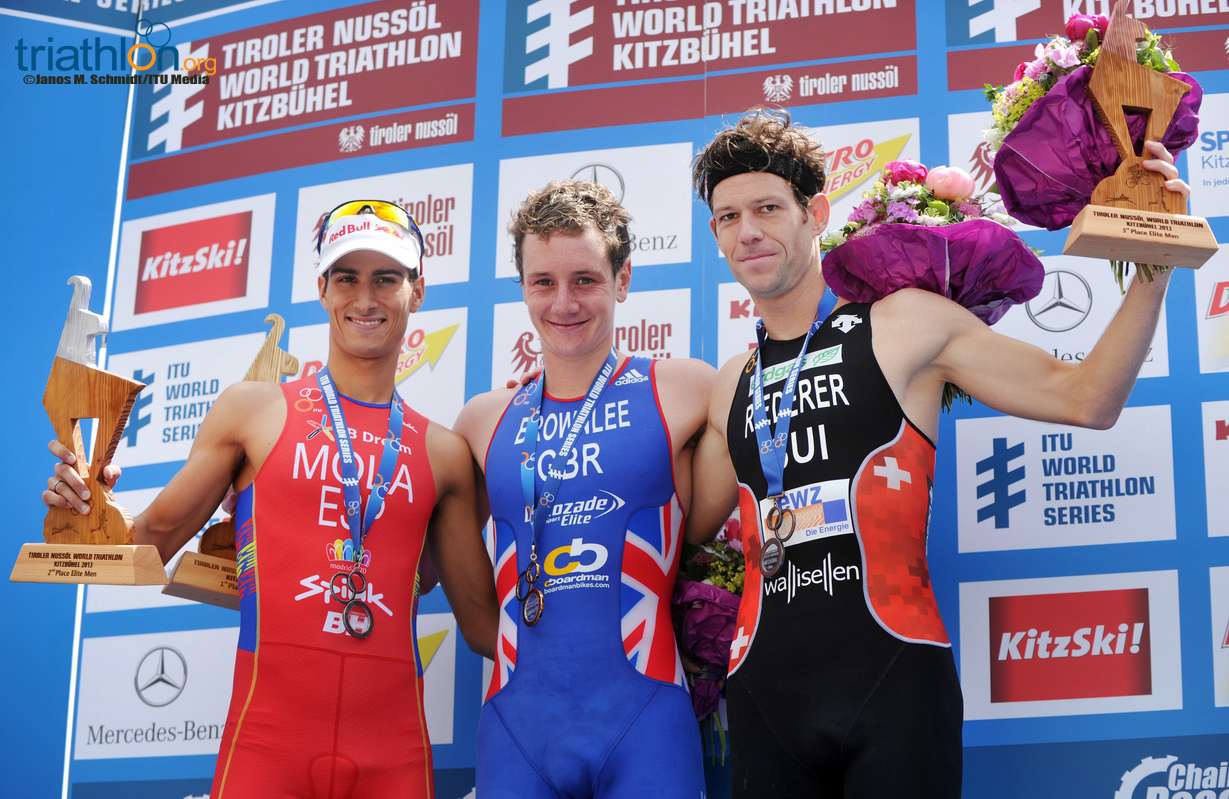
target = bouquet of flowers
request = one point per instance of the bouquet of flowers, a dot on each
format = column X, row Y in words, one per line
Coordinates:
column 920, row 228
column 705, row 603
column 1050, row 149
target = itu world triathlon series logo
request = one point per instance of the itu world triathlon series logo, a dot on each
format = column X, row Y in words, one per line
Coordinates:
column 999, row 485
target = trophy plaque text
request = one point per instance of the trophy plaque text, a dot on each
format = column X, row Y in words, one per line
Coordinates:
column 209, row 575
column 1132, row 217
column 96, row 547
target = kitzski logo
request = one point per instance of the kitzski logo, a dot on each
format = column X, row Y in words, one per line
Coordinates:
column 631, row 377
column 1030, row 644
column 556, row 37
column 846, row 322
column 826, row 577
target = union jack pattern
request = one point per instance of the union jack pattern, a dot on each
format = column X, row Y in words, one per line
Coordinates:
column 505, row 589
column 650, row 563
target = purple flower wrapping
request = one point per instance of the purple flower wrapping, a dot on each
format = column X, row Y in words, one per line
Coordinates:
column 978, row 263
column 705, row 616
column 1059, row 151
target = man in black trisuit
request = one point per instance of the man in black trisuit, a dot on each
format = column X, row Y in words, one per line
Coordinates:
column 842, row 681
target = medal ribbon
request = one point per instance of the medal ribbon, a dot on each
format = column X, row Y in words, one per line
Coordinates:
column 537, row 506
column 772, row 439
column 360, row 526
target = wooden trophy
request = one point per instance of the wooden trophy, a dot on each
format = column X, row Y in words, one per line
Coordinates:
column 209, row 575
column 96, row 547
column 1132, row 217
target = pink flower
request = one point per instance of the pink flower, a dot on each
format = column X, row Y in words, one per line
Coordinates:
column 970, row 210
column 900, row 171
column 1080, row 24
column 949, row 183
column 864, row 211
column 1066, row 56
column 901, row 212
column 1036, row 69
column 1019, row 71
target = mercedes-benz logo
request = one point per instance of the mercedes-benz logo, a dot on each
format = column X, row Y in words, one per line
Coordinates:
column 161, row 676
column 1065, row 300
column 605, row 174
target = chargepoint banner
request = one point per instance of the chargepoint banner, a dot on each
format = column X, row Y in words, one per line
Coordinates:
column 1083, row 575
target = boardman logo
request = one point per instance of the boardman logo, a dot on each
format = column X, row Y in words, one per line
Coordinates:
column 561, row 48
column 999, row 485
column 160, row 676
column 604, row 174
column 1064, row 302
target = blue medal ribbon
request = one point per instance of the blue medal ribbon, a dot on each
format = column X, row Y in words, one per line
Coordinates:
column 360, row 525
column 773, row 440
column 537, row 506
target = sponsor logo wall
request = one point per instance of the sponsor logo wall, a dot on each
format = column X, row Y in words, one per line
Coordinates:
column 1219, row 578
column 655, row 324
column 651, row 182
column 1063, row 646
column 1090, row 536
column 199, row 262
column 1025, row 484
column 430, row 370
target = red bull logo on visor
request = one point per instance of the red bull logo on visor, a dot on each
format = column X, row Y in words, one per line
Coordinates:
column 1070, row 645
column 193, row 263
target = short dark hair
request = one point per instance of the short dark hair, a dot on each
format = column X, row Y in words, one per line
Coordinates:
column 568, row 206
column 764, row 140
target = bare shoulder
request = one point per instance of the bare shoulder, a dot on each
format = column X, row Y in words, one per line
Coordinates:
column 722, row 396
column 690, row 374
column 247, row 403
column 447, row 452
column 479, row 418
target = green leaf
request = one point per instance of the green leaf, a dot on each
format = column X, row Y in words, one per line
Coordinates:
column 1092, row 40
column 939, row 207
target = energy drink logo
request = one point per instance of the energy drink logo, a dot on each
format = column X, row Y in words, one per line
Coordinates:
column 421, row 348
column 850, row 166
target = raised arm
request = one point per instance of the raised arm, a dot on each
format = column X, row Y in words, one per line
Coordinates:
column 714, row 483
column 455, row 540
column 192, row 495
column 933, row 339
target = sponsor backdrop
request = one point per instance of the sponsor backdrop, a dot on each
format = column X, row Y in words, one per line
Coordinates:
column 1079, row 572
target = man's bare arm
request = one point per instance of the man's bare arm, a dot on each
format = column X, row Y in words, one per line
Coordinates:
column 455, row 539
column 714, row 482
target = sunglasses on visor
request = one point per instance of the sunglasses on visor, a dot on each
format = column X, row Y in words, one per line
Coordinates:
column 382, row 209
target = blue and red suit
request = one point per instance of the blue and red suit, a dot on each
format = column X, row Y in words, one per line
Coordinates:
column 590, row 701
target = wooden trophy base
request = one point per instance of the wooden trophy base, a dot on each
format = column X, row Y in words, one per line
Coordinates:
column 205, row 578
column 95, row 564
column 1141, row 237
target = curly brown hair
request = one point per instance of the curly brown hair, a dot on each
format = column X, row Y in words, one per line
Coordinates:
column 568, row 206
column 764, row 140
